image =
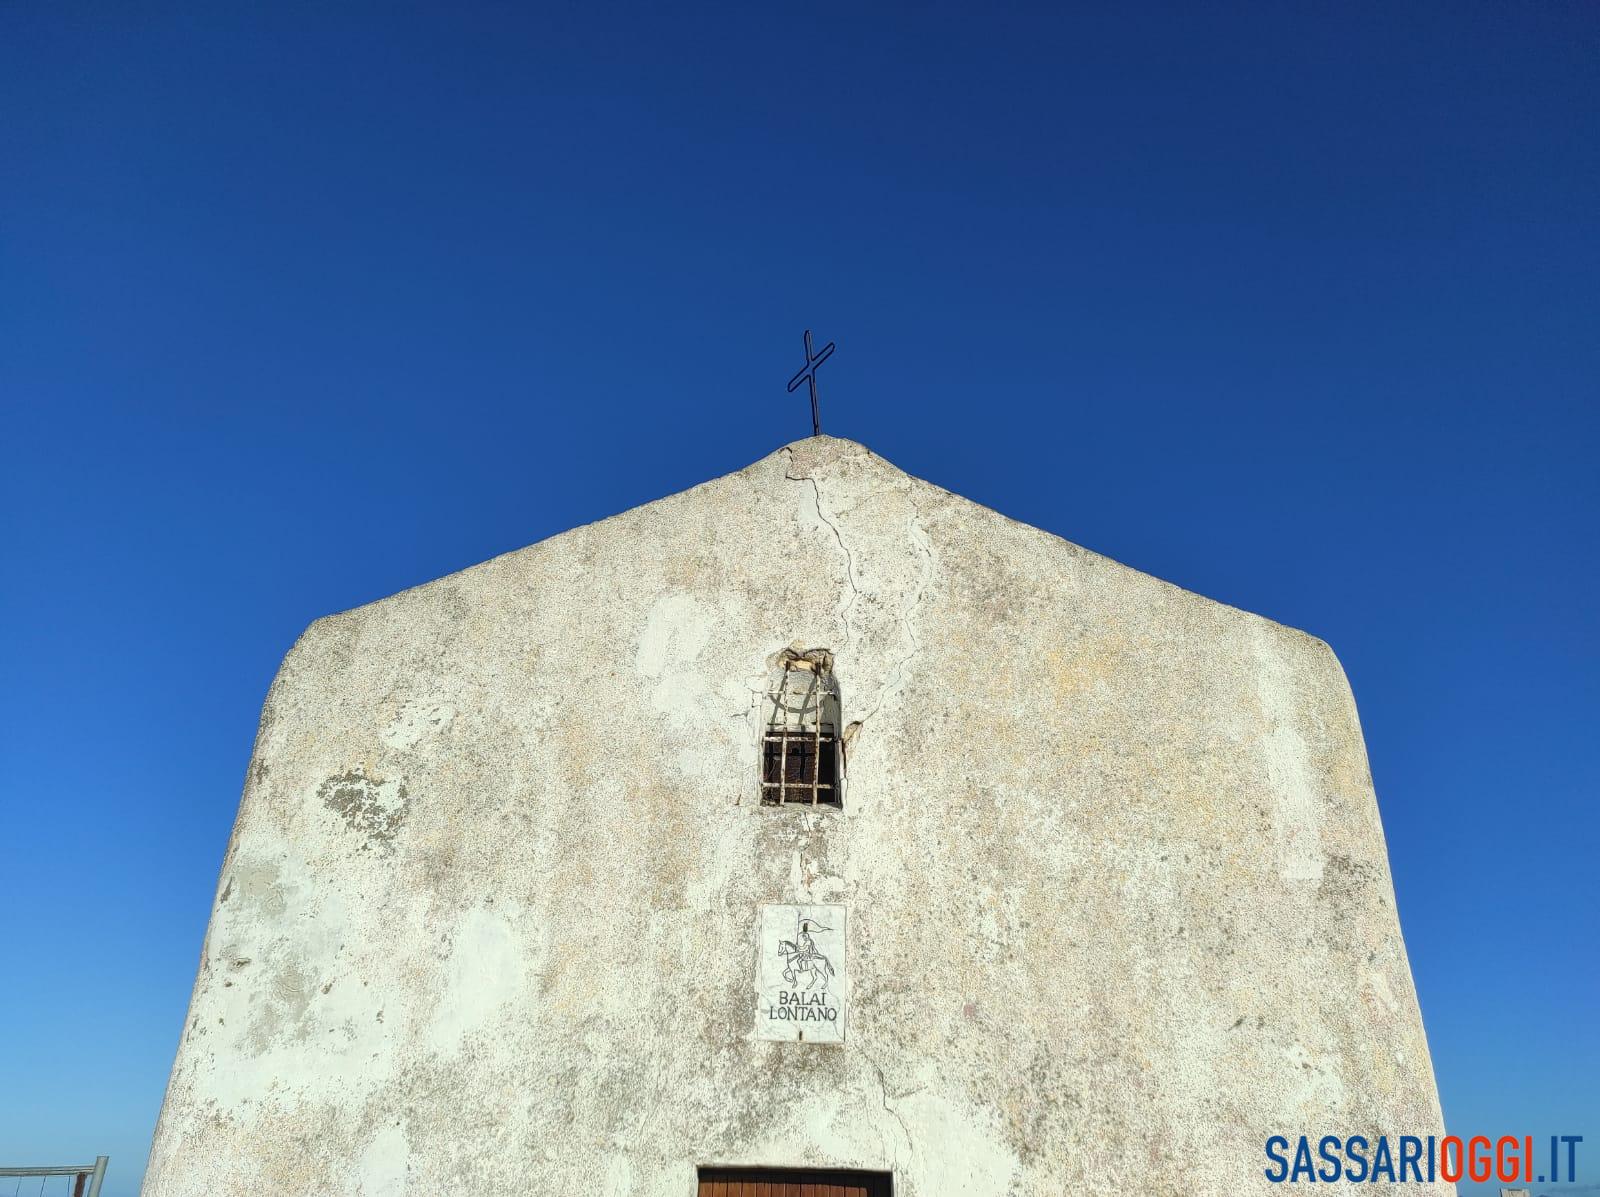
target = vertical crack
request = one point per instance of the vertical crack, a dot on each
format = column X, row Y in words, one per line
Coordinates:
column 849, row 558
column 883, row 1096
column 908, row 612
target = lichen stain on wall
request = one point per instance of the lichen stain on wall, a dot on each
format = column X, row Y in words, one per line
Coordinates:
column 373, row 809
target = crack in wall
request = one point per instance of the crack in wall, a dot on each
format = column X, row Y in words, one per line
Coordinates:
column 907, row 614
column 883, row 1097
column 849, row 558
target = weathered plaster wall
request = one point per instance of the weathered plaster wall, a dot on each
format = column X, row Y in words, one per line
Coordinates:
column 1119, row 900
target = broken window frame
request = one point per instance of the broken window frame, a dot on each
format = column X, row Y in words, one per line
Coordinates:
column 812, row 722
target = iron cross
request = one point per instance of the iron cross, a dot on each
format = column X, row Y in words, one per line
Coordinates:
column 809, row 374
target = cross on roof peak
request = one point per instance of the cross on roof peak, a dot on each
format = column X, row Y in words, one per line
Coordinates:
column 809, row 374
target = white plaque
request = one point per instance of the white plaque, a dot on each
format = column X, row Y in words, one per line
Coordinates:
column 800, row 979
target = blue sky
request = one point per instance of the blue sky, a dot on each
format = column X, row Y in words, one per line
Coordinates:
column 1292, row 305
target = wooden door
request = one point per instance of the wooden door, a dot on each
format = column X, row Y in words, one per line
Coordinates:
column 774, row 1182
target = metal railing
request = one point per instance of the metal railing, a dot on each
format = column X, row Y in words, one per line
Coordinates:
column 87, row 1174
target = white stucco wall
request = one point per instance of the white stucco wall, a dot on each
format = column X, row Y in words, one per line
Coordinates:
column 1119, row 904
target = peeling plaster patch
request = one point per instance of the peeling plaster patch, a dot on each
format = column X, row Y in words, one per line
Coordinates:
column 704, row 888
column 374, row 809
column 383, row 1164
column 1316, row 1087
column 830, row 1125
column 676, row 632
column 808, row 883
column 416, row 720
column 619, row 1177
column 1377, row 984
column 274, row 1036
column 1296, row 818
column 484, row 971
column 954, row 1144
column 258, row 886
column 908, row 621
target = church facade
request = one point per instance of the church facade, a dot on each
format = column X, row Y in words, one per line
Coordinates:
column 817, row 819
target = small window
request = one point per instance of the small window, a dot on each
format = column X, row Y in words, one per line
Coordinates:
column 800, row 754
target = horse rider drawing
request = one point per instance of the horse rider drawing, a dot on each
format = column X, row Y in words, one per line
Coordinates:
column 801, row 957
